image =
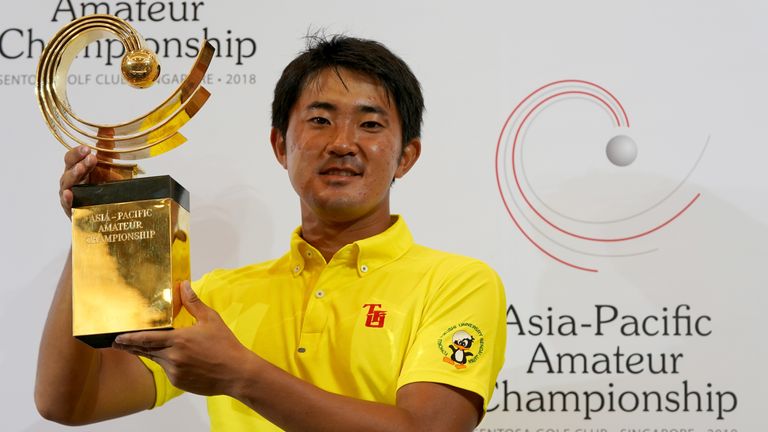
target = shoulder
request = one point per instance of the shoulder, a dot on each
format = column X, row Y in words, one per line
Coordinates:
column 450, row 275
column 447, row 263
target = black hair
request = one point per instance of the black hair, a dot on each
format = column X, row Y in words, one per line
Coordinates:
column 364, row 56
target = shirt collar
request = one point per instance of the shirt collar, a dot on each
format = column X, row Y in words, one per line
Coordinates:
column 366, row 255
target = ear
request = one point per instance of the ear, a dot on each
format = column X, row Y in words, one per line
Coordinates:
column 278, row 146
column 408, row 158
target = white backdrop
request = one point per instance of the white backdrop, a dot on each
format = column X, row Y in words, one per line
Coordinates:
column 690, row 75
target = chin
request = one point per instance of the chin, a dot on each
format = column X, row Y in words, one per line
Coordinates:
column 342, row 211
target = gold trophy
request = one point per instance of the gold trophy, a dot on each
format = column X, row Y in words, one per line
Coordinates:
column 130, row 237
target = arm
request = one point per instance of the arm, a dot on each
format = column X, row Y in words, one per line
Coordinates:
column 296, row 405
column 207, row 359
column 75, row 383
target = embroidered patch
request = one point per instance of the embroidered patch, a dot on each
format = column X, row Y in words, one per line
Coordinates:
column 375, row 317
column 461, row 345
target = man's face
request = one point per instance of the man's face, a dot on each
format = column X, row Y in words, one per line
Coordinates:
column 344, row 146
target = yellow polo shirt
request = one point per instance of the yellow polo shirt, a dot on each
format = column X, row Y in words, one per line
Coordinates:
column 384, row 312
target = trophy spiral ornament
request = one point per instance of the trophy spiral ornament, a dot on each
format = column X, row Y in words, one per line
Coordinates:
column 149, row 135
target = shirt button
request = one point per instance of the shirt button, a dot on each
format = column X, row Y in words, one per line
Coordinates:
column 320, row 294
column 363, row 268
column 309, row 253
column 297, row 269
column 301, row 350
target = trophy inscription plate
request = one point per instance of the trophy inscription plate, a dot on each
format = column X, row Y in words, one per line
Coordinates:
column 128, row 257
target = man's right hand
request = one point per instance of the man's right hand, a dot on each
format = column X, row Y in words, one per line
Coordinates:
column 79, row 162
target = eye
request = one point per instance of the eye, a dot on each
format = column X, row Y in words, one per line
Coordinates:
column 320, row 121
column 371, row 124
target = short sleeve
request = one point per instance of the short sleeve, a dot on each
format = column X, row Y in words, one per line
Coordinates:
column 164, row 390
column 461, row 338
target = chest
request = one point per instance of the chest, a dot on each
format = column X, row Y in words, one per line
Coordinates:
column 347, row 335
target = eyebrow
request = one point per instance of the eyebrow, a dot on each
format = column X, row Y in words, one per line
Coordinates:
column 367, row 109
column 321, row 105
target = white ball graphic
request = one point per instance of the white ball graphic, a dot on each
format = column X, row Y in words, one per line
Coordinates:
column 621, row 150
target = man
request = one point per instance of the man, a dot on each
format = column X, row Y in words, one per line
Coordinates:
column 355, row 328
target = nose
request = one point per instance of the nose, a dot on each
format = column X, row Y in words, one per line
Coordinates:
column 344, row 141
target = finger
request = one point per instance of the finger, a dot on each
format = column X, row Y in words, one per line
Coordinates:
column 145, row 341
column 194, row 305
column 156, row 355
column 75, row 155
column 75, row 175
column 66, row 197
column 133, row 349
column 78, row 172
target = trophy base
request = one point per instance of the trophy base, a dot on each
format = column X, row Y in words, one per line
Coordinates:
column 105, row 340
column 130, row 253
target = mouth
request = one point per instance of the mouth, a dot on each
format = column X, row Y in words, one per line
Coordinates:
column 340, row 172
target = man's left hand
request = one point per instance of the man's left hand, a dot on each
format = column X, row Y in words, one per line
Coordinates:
column 203, row 358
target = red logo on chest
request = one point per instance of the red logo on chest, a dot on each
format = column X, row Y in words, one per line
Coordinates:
column 375, row 317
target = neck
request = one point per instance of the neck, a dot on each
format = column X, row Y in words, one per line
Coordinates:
column 328, row 236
